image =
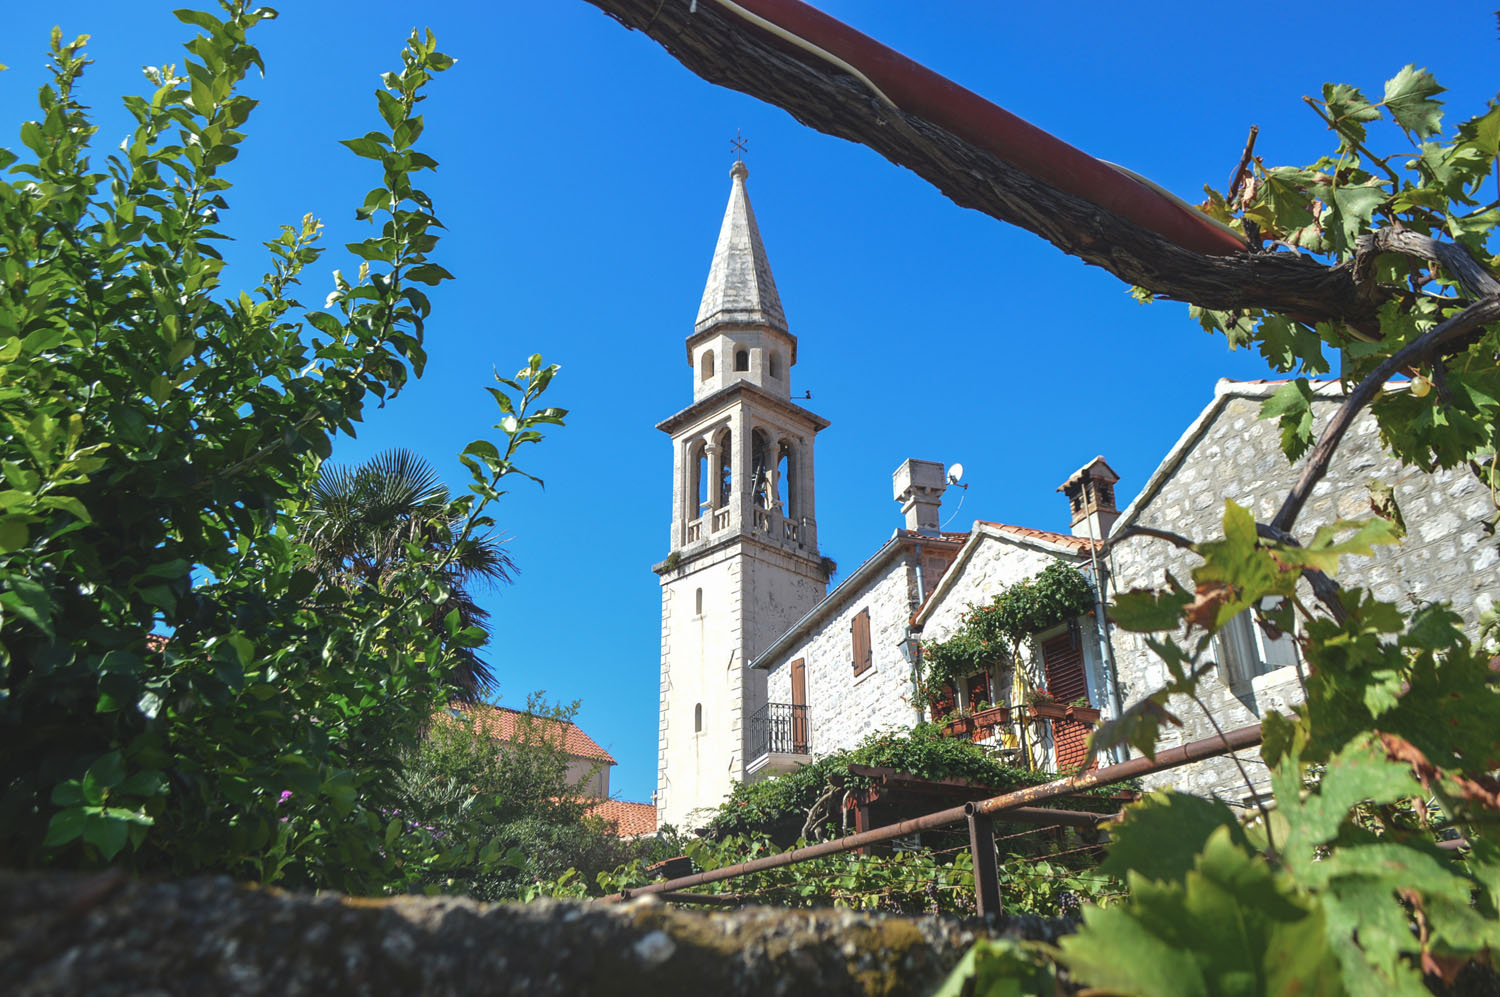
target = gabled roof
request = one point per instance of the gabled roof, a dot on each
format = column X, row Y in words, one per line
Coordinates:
column 1056, row 543
column 740, row 289
column 831, row 602
column 1224, row 390
column 629, row 819
column 503, row 724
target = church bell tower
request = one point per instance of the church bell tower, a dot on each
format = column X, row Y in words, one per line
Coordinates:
column 744, row 563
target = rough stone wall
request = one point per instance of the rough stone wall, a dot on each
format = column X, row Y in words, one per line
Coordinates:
column 107, row 935
column 843, row 709
column 1446, row 557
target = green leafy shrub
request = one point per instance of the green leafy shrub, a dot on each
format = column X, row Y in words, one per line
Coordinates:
column 180, row 691
column 779, row 805
column 989, row 634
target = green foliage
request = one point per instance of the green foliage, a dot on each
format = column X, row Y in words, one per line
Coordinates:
column 505, row 815
column 989, row 633
column 1344, row 887
column 178, row 693
column 909, row 882
column 784, row 800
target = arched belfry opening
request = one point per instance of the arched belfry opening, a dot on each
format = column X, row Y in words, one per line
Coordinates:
column 706, row 365
column 786, row 480
column 725, row 441
column 741, row 359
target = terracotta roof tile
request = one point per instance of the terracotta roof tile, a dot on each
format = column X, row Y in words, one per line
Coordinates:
column 501, row 722
column 629, row 819
column 1065, row 539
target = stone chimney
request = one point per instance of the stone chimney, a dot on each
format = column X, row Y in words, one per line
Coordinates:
column 1091, row 499
column 919, row 485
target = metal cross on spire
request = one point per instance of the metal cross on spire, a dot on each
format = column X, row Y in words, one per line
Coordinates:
column 738, row 145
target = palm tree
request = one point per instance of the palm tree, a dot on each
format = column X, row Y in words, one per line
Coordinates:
column 361, row 522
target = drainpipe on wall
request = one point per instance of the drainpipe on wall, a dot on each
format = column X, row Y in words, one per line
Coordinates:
column 1106, row 649
column 915, row 655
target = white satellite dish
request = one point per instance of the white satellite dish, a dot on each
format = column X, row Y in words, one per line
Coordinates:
column 955, row 474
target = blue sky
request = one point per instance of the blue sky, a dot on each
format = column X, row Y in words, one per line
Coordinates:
column 584, row 173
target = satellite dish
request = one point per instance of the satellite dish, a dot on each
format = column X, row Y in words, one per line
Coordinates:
column 955, row 474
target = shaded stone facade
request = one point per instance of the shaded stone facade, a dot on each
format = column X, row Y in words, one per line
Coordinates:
column 1230, row 453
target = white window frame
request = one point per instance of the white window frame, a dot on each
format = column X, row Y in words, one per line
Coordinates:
column 1244, row 651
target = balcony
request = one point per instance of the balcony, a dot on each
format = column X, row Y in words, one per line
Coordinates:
column 777, row 739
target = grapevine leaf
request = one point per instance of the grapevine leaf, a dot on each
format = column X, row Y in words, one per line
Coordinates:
column 1408, row 96
column 1162, row 835
column 1292, row 405
column 1232, row 925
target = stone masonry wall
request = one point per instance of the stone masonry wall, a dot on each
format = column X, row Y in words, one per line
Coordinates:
column 1446, row 557
column 842, row 709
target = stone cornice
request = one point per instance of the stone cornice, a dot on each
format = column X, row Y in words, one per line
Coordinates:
column 724, row 396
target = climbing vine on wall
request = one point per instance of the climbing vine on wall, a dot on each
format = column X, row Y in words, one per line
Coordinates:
column 989, row 633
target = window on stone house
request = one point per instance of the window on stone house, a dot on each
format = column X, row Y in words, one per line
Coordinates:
column 863, row 654
column 698, row 718
column 947, row 702
column 977, row 687
column 698, row 599
column 1244, row 649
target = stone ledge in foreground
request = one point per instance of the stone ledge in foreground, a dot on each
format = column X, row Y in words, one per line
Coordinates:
column 107, row 934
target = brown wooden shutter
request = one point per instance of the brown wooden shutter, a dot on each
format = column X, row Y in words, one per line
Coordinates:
column 861, row 634
column 799, row 706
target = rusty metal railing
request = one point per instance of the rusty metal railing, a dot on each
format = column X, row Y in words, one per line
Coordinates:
column 978, row 815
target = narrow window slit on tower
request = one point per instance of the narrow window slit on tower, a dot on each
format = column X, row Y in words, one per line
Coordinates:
column 707, row 365
column 698, row 719
column 742, row 360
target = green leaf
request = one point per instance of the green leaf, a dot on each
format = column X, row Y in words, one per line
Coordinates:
column 999, row 967
column 1145, row 610
column 65, row 826
column 1230, row 926
column 106, row 832
column 1408, row 96
column 428, row 273
column 1162, row 835
column 1292, row 405
column 14, row 533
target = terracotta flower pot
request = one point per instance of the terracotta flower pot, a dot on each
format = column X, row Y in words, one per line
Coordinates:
column 993, row 715
column 1084, row 714
column 1047, row 711
column 958, row 726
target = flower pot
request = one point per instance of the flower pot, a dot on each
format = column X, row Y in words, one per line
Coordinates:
column 1047, row 711
column 1084, row 715
column 993, row 715
column 959, row 726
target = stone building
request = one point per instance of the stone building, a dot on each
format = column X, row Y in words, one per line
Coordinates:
column 763, row 669
column 1230, row 453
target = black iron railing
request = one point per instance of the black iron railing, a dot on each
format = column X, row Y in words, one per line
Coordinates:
column 778, row 729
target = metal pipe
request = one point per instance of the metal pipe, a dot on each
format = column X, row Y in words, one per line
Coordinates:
column 1209, row 747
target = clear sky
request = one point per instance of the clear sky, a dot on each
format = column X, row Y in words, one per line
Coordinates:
column 584, row 174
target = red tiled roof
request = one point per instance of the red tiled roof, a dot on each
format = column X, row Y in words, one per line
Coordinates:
column 1066, row 539
column 500, row 723
column 629, row 819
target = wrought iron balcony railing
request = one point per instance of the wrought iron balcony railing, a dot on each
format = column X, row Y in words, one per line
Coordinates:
column 779, row 729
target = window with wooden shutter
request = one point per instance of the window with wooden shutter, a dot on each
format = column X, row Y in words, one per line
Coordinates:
column 861, row 633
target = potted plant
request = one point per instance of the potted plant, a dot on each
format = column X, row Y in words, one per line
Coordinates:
column 1080, row 710
column 1042, row 705
column 988, row 716
column 958, row 724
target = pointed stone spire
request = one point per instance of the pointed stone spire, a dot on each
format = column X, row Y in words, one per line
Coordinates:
column 740, row 289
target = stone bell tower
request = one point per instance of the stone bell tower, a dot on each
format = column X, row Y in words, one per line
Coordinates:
column 744, row 562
